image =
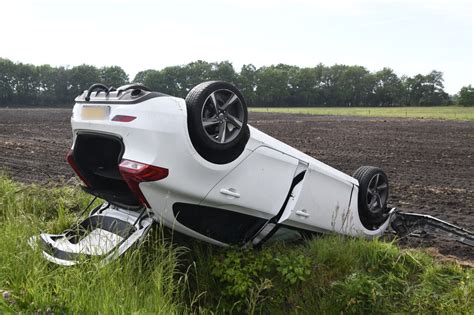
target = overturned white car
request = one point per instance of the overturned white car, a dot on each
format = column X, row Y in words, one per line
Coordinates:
column 196, row 166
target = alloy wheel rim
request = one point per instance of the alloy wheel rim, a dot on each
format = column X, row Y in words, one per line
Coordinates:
column 222, row 116
column 377, row 193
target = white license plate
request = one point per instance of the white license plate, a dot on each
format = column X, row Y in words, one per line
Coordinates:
column 95, row 112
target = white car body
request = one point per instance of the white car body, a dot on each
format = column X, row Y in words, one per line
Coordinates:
column 259, row 184
column 325, row 201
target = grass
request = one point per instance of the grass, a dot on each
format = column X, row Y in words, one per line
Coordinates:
column 329, row 275
column 438, row 112
column 140, row 283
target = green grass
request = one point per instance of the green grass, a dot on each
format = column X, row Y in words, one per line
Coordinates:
column 140, row 283
column 439, row 112
column 329, row 275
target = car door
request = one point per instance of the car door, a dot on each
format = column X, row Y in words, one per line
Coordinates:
column 258, row 186
column 323, row 201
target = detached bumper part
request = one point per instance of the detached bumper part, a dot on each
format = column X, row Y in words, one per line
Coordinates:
column 404, row 224
column 106, row 234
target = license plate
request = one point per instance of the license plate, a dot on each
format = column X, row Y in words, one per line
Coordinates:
column 95, row 112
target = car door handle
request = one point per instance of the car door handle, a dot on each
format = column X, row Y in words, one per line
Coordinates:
column 302, row 213
column 230, row 192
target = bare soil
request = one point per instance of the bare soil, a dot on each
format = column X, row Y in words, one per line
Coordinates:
column 429, row 163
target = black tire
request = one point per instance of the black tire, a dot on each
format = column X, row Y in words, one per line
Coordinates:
column 217, row 121
column 373, row 196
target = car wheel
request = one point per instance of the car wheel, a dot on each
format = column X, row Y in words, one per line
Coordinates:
column 217, row 121
column 373, row 196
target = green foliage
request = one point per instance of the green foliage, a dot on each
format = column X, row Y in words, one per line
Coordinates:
column 388, row 89
column 274, row 86
column 239, row 270
column 425, row 90
column 326, row 275
column 80, row 78
column 246, row 277
column 179, row 80
column 29, row 85
column 243, row 270
column 466, row 96
column 293, row 269
column 330, row 275
column 113, row 76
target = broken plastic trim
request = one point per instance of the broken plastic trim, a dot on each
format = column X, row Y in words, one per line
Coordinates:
column 106, row 234
column 404, row 224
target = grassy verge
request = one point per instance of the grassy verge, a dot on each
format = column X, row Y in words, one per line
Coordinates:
column 139, row 283
column 439, row 112
column 325, row 275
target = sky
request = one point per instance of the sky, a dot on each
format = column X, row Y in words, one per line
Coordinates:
column 410, row 37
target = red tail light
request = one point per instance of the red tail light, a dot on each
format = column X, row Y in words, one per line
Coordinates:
column 135, row 173
column 70, row 160
column 123, row 118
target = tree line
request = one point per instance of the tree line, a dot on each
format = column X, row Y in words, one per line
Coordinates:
column 277, row 85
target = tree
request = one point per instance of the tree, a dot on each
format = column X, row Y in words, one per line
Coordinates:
column 113, row 76
column 81, row 78
column 387, row 88
column 356, row 86
column 272, row 86
column 174, row 81
column 223, row 71
column 7, row 87
column 47, row 84
column 275, row 85
column 425, row 90
column 304, row 86
column 140, row 76
column 247, row 82
column 167, row 81
column 433, row 93
column 151, row 79
column 61, row 87
column 26, row 83
column 195, row 73
column 337, row 89
column 466, row 96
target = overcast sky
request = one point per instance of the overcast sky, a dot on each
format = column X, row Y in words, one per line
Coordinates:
column 411, row 37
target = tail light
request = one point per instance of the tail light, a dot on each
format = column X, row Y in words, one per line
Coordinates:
column 123, row 118
column 70, row 160
column 135, row 173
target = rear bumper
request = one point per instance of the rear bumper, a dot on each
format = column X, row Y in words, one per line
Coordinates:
column 106, row 234
column 159, row 125
column 160, row 120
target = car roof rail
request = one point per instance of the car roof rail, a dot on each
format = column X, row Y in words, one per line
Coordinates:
column 95, row 87
column 132, row 86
